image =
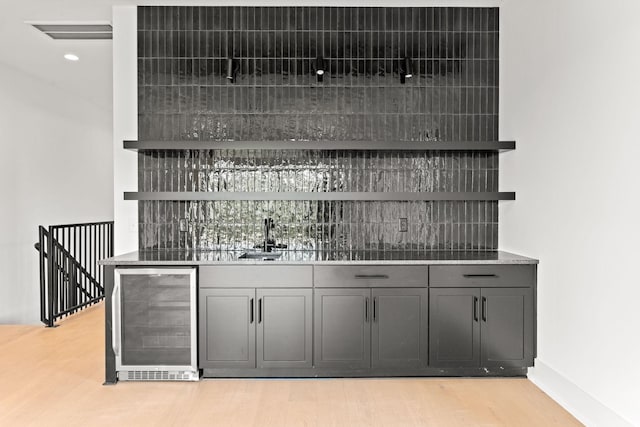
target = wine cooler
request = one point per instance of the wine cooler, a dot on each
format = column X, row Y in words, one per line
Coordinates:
column 154, row 324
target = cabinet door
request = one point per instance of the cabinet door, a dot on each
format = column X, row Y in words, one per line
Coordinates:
column 454, row 328
column 284, row 328
column 342, row 329
column 399, row 327
column 227, row 328
column 507, row 327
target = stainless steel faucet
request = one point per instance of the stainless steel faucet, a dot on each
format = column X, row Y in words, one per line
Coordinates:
column 269, row 243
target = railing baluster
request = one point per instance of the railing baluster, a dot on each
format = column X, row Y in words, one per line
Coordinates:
column 95, row 250
column 51, row 273
column 61, row 278
column 93, row 227
column 87, row 253
column 65, row 274
column 104, row 252
column 98, row 255
column 77, row 281
column 91, row 249
column 84, row 245
column 64, row 278
column 43, row 273
column 69, row 278
column 56, row 264
column 100, row 268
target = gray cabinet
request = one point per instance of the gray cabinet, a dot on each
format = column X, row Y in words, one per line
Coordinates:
column 245, row 328
column 486, row 327
column 359, row 328
column 399, row 327
column 454, row 331
column 227, row 328
column 284, row 328
column 506, row 329
column 342, row 336
column 370, row 276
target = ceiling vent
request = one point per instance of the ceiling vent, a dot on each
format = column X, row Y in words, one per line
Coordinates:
column 75, row 31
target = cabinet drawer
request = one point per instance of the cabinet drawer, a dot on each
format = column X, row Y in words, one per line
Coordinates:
column 481, row 275
column 256, row 276
column 369, row 276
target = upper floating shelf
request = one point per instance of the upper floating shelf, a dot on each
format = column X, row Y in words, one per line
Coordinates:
column 374, row 196
column 322, row 145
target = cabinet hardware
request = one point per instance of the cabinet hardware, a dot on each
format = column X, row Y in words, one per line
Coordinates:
column 374, row 308
column 475, row 308
column 371, row 276
column 115, row 319
column 366, row 309
column 484, row 309
column 470, row 276
column 251, row 311
column 259, row 310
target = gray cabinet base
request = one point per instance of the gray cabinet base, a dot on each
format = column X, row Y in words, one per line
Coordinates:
column 359, row 373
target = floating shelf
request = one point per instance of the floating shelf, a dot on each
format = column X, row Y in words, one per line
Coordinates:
column 344, row 196
column 322, row 145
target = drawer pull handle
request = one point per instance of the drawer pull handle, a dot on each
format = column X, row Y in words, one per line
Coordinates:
column 251, row 311
column 116, row 316
column 470, row 276
column 484, row 309
column 372, row 276
column 366, row 310
column 259, row 310
column 475, row 308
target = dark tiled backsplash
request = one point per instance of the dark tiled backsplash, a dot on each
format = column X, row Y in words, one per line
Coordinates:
column 184, row 92
column 324, row 19
column 184, row 95
column 386, row 113
column 317, row 171
column 317, row 225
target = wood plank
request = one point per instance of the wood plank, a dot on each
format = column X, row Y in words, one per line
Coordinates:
column 53, row 376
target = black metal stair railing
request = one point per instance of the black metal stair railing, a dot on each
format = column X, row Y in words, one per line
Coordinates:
column 70, row 277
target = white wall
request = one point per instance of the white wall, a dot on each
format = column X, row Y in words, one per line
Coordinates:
column 570, row 97
column 125, row 126
column 55, row 167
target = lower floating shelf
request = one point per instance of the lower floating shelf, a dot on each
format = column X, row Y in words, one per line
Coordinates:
column 322, row 145
column 342, row 196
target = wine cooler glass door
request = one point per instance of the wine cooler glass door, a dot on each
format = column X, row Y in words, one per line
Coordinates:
column 155, row 318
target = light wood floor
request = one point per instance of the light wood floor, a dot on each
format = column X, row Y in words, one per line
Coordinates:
column 54, row 377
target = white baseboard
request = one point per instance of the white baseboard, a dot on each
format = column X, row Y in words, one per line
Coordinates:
column 588, row 410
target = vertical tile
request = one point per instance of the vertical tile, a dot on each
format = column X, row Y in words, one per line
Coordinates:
column 276, row 96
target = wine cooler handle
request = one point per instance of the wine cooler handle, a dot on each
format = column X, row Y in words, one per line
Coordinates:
column 115, row 319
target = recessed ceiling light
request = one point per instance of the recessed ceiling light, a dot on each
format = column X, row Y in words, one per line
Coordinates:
column 71, row 57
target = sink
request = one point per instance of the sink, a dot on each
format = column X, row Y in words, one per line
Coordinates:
column 261, row 255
